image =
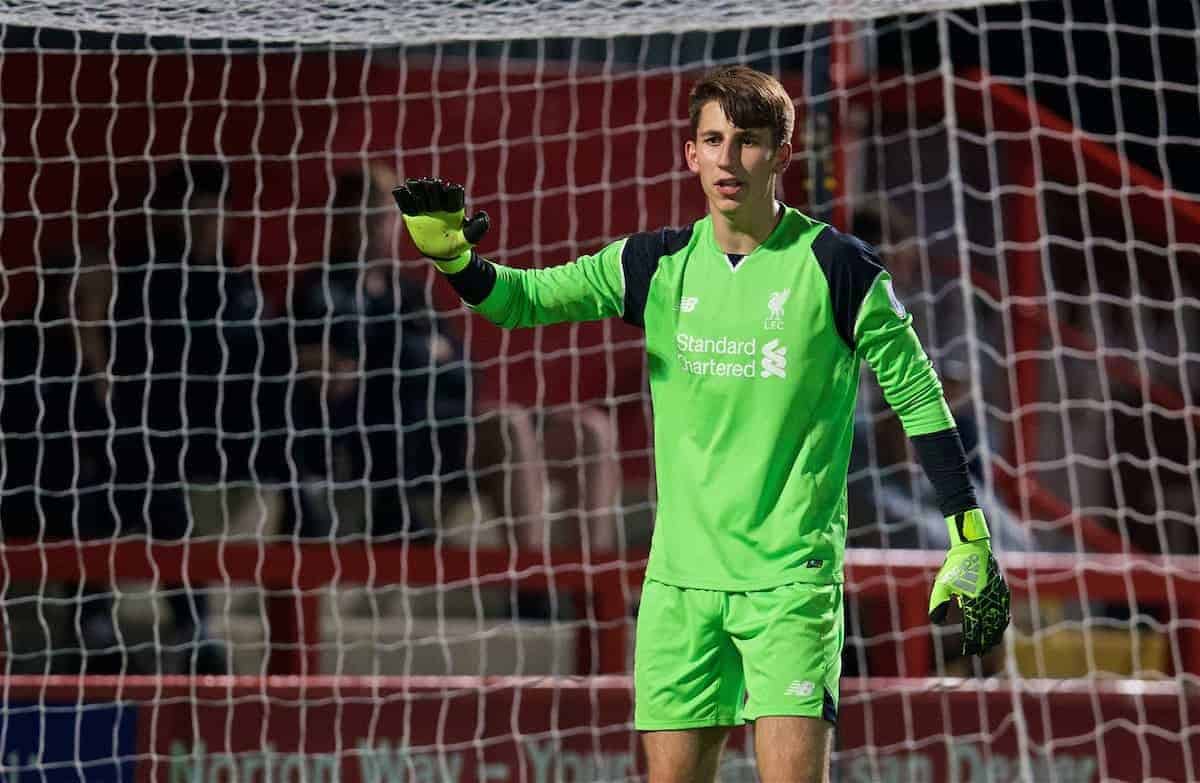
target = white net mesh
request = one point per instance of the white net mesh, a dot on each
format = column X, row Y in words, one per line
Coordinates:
column 337, row 21
column 219, row 354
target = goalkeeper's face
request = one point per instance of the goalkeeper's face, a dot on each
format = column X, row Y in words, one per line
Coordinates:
column 737, row 167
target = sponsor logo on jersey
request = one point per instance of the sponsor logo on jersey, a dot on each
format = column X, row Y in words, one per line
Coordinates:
column 726, row 357
column 722, row 346
column 897, row 305
column 721, row 357
column 774, row 360
column 688, row 304
column 800, row 688
column 775, row 305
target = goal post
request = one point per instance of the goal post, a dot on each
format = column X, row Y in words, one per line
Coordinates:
column 262, row 523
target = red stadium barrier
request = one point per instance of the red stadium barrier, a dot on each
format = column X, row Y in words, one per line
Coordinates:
column 322, row 729
column 604, row 586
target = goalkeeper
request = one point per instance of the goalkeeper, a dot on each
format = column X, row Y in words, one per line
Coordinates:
column 757, row 318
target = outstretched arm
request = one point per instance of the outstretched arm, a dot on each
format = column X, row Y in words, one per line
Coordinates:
column 587, row 289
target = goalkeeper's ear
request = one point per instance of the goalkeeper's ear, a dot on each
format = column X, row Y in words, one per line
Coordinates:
column 783, row 157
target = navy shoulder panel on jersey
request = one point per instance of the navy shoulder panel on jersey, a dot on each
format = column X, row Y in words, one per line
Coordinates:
column 850, row 267
column 639, row 262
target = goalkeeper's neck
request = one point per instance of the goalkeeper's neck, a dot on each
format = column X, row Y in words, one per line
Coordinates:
column 740, row 231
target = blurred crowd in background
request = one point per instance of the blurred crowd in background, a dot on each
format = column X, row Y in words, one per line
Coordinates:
column 129, row 383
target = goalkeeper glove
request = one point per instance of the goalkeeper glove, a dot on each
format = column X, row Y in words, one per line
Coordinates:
column 433, row 214
column 971, row 576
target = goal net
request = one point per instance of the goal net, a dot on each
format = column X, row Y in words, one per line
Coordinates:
column 276, row 506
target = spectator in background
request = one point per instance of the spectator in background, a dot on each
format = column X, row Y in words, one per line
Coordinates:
column 418, row 412
column 415, row 384
column 184, row 318
column 307, row 408
column 54, row 421
column 52, row 411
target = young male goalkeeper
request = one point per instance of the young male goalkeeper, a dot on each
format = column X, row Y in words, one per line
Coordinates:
column 757, row 319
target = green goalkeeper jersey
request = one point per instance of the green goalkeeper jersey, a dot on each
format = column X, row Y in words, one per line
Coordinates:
column 754, row 368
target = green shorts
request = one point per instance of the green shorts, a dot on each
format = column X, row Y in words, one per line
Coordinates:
column 698, row 653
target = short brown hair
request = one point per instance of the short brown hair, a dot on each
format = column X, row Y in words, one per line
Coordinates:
column 749, row 98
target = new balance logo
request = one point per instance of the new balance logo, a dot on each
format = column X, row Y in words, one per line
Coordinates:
column 800, row 688
column 774, row 360
column 688, row 303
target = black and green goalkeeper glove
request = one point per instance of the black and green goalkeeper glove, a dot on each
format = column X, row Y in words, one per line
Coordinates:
column 433, row 214
column 971, row 576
